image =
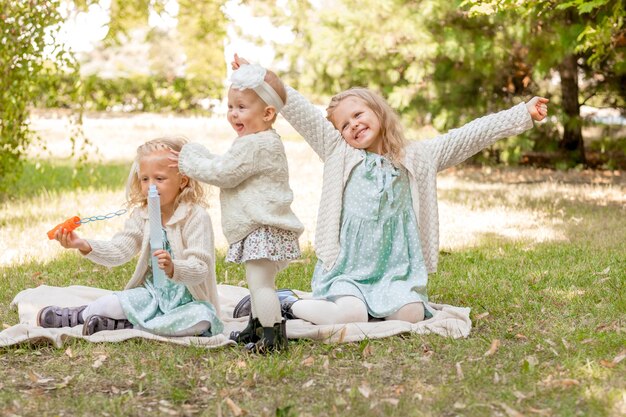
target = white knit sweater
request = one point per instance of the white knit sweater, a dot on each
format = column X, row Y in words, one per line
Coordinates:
column 423, row 160
column 190, row 234
column 254, row 183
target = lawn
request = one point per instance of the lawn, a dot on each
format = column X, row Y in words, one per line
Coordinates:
column 539, row 256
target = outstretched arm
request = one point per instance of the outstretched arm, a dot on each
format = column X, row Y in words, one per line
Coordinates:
column 308, row 120
column 225, row 171
column 459, row 144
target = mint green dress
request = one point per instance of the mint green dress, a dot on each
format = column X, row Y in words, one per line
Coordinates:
column 166, row 308
column 380, row 260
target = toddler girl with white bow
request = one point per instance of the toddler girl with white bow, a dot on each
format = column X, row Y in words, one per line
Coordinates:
column 255, row 198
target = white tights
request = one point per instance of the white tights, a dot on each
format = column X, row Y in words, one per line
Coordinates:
column 349, row 309
column 109, row 306
column 261, row 275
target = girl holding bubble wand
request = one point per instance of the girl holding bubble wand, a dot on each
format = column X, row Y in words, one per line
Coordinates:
column 176, row 295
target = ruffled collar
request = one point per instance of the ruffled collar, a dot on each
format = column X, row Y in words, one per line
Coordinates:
column 384, row 171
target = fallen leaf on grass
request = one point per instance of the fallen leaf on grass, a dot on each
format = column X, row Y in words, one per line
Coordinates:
column 530, row 362
column 521, row 336
column 60, row 385
column 607, row 327
column 69, row 352
column 99, row 361
column 308, row 361
column 605, row 271
column 308, row 384
column 620, row 357
column 459, row 371
column 519, row 395
column 365, row 390
column 511, row 412
column 38, row 379
column 541, row 412
column 613, row 363
column 559, row 383
column 607, row 364
column 236, row 410
column 482, row 315
column 168, row 411
column 495, row 344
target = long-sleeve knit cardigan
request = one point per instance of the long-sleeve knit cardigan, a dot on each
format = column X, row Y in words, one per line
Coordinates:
column 254, row 183
column 190, row 234
column 422, row 159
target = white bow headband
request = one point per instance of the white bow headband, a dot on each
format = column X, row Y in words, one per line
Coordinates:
column 253, row 76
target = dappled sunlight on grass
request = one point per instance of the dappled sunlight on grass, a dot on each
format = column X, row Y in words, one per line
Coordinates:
column 474, row 209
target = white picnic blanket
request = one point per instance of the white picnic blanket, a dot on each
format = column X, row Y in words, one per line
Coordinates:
column 447, row 321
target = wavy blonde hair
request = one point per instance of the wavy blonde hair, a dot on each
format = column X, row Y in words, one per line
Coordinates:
column 390, row 127
column 193, row 192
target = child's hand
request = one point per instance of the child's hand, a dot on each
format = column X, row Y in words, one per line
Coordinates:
column 238, row 61
column 174, row 158
column 71, row 240
column 164, row 261
column 538, row 108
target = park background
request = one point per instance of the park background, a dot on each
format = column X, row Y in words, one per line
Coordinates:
column 533, row 231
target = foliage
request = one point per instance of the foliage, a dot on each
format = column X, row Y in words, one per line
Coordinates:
column 27, row 57
column 572, row 38
column 200, row 31
column 131, row 94
column 445, row 63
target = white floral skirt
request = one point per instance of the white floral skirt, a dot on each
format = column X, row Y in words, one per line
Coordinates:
column 266, row 242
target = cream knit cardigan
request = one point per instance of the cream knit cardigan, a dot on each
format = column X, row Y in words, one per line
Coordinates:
column 190, row 234
column 254, row 183
column 423, row 160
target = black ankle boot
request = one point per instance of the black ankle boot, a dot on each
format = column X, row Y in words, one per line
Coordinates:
column 249, row 334
column 286, row 297
column 270, row 339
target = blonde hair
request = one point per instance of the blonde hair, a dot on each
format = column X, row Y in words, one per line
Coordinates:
column 192, row 193
column 390, row 128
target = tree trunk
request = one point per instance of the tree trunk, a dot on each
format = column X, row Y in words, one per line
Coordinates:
column 572, row 141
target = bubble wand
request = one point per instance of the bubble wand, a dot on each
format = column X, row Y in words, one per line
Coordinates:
column 73, row 222
column 156, row 233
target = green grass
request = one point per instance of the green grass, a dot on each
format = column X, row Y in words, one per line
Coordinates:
column 60, row 176
column 557, row 310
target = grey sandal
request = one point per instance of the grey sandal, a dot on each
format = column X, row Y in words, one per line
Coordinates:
column 56, row 317
column 95, row 324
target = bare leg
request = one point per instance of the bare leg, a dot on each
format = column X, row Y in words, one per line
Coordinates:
column 347, row 309
column 413, row 312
